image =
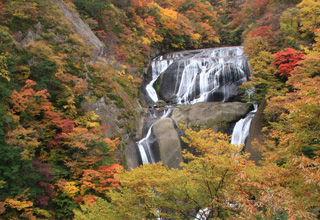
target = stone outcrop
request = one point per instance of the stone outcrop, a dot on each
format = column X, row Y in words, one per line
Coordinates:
column 160, row 103
column 79, row 27
column 255, row 134
column 132, row 155
column 168, row 145
column 214, row 115
column 166, row 83
column 108, row 115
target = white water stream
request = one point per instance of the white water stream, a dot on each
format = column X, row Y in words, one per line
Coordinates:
column 144, row 145
column 242, row 127
column 145, row 149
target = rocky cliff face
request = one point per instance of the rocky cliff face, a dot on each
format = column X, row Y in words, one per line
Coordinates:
column 119, row 120
column 82, row 30
column 256, row 135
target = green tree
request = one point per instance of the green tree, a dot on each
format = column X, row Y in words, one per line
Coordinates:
column 16, row 172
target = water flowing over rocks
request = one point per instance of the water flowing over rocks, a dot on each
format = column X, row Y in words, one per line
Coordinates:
column 204, row 75
column 241, row 129
column 197, row 88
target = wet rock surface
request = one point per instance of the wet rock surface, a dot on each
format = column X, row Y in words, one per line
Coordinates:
column 168, row 145
column 214, row 115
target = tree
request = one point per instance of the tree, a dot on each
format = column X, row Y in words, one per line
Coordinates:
column 219, row 180
column 308, row 18
column 292, row 147
column 289, row 23
column 286, row 61
column 215, row 179
column 264, row 82
column 4, row 67
column 297, row 127
column 93, row 8
column 30, row 106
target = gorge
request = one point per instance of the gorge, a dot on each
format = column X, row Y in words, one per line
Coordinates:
column 199, row 89
column 100, row 99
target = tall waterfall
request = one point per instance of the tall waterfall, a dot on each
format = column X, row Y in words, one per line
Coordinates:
column 190, row 77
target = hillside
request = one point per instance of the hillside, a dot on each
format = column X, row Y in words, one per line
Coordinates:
column 69, row 101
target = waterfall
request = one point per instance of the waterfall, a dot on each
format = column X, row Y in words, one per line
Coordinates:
column 195, row 76
column 158, row 66
column 189, row 77
column 144, row 145
column 241, row 129
column 145, row 149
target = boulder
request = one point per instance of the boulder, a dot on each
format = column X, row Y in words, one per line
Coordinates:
column 132, row 154
column 160, row 103
column 256, row 135
column 168, row 144
column 166, row 84
column 214, row 115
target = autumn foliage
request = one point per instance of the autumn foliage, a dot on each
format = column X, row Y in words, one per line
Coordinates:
column 55, row 156
column 46, row 138
column 286, row 61
column 220, row 180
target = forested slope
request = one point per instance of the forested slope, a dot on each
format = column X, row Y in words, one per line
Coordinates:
column 55, row 154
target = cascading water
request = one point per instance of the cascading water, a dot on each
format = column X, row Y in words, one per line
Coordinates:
column 144, row 145
column 197, row 76
column 241, row 129
column 190, row 77
column 145, row 149
column 158, row 66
